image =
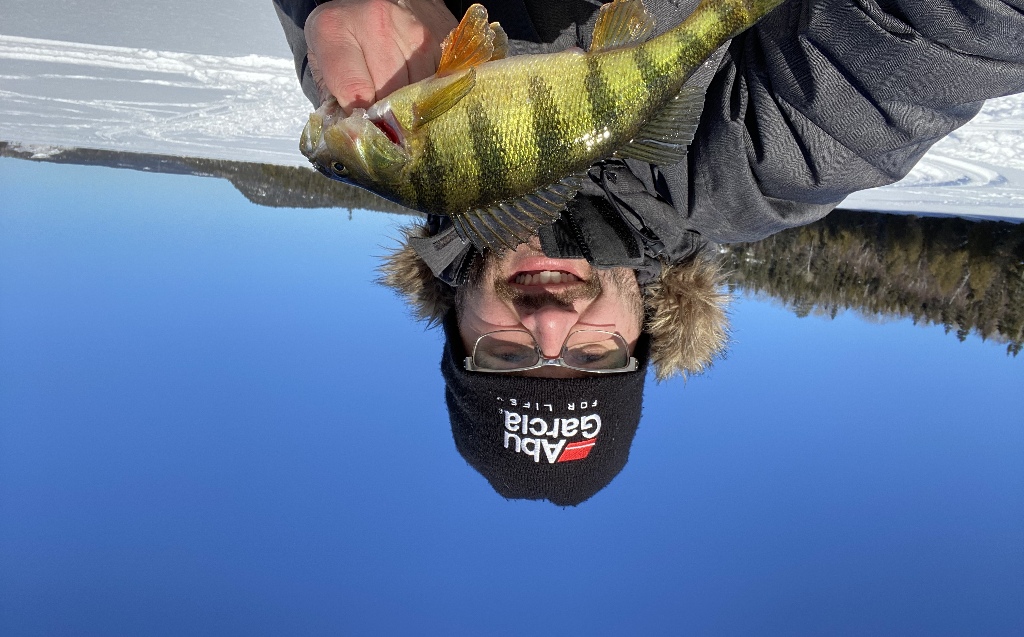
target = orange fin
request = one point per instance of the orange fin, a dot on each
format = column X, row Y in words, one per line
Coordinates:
column 620, row 24
column 469, row 44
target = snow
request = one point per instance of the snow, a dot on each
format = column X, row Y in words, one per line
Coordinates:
column 224, row 27
column 250, row 108
column 977, row 171
column 246, row 108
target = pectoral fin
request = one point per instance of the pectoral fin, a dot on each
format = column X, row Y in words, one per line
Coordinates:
column 513, row 222
column 471, row 43
column 446, row 95
column 619, row 24
column 664, row 139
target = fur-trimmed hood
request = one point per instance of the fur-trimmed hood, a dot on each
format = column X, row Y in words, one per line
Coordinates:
column 685, row 307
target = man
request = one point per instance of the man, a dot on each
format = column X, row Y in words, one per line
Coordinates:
column 820, row 99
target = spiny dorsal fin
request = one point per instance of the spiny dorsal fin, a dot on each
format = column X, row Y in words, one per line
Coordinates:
column 500, row 44
column 510, row 223
column 664, row 139
column 619, row 24
column 437, row 101
column 469, row 44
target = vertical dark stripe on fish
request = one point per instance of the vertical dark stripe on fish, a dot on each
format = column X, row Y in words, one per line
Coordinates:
column 600, row 95
column 690, row 49
column 654, row 80
column 490, row 158
column 429, row 180
column 553, row 150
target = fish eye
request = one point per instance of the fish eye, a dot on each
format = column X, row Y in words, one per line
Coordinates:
column 339, row 169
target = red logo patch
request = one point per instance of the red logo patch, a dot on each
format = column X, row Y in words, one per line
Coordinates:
column 577, row 450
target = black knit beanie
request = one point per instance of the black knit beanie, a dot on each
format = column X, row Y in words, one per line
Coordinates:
column 559, row 439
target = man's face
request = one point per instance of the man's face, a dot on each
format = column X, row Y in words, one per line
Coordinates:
column 550, row 298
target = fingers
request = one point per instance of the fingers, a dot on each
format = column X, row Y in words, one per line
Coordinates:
column 426, row 25
column 437, row 19
column 347, row 77
column 418, row 49
column 360, row 51
column 421, row 66
column 337, row 61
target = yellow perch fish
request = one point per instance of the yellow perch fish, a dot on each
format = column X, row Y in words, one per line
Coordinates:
column 499, row 144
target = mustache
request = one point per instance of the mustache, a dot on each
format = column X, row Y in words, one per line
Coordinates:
column 562, row 299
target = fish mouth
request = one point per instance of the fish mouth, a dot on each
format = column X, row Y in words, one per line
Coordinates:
column 381, row 116
column 388, row 130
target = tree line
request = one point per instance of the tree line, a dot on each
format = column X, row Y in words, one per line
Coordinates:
column 967, row 276
column 262, row 184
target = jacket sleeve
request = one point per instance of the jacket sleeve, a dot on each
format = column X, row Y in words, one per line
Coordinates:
column 293, row 14
column 821, row 99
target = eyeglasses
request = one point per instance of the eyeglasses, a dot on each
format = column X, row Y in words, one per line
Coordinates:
column 594, row 351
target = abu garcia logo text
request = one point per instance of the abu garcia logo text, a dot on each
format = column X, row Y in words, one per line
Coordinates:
column 534, row 435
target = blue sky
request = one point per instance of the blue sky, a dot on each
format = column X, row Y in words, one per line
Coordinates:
column 212, row 423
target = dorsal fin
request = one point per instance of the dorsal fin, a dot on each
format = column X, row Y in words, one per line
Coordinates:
column 469, row 44
column 500, row 44
column 619, row 24
column 510, row 223
column 664, row 139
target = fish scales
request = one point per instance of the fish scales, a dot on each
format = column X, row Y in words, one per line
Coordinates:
column 566, row 124
column 531, row 120
column 582, row 105
column 509, row 149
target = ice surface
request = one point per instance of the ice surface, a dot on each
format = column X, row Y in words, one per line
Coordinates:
column 224, row 27
column 250, row 108
column 246, row 108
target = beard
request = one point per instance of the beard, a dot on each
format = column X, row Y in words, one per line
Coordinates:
column 563, row 299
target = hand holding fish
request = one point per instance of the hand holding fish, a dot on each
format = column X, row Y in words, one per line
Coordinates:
column 500, row 145
column 359, row 51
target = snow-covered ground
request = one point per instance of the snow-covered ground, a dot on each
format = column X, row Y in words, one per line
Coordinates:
column 250, row 108
column 245, row 108
column 223, row 27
